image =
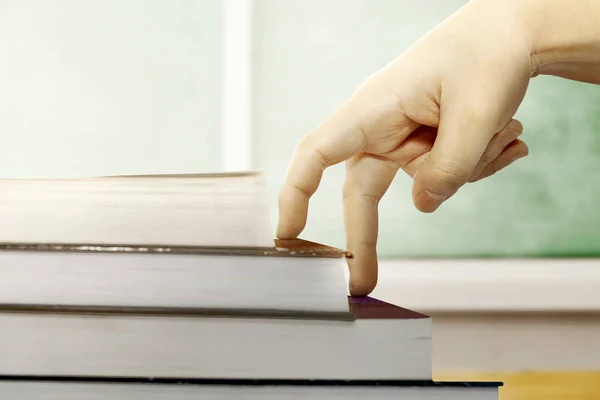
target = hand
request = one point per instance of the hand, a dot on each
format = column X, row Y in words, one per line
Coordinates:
column 442, row 112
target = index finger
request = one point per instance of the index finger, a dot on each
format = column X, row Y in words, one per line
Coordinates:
column 335, row 140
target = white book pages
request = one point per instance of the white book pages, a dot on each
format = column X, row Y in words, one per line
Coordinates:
column 211, row 210
column 204, row 281
column 235, row 348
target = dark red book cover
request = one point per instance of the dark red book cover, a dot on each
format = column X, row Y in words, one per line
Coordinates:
column 370, row 308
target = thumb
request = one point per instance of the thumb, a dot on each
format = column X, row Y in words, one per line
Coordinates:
column 463, row 135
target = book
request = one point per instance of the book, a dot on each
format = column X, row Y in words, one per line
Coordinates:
column 29, row 388
column 294, row 276
column 383, row 342
column 195, row 210
column 195, row 243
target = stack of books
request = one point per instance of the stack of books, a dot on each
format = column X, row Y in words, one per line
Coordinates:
column 172, row 287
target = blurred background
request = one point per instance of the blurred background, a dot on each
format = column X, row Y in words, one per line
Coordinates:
column 507, row 267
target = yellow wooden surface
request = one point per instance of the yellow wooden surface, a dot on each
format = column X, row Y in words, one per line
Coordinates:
column 537, row 385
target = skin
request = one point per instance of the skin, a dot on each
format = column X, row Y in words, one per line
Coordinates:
column 442, row 112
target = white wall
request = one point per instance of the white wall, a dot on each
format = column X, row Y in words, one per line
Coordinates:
column 93, row 87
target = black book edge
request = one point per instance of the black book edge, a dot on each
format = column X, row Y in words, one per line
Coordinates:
column 129, row 311
column 252, row 382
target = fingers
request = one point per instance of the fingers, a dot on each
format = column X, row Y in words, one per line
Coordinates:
column 336, row 140
column 373, row 108
column 463, row 136
column 514, row 151
column 510, row 153
column 499, row 141
column 367, row 180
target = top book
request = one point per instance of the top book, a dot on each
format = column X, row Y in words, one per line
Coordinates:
column 203, row 210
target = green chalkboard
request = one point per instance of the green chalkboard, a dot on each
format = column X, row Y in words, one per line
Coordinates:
column 547, row 204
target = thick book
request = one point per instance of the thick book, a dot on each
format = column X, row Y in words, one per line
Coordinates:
column 203, row 210
column 165, row 243
column 383, row 342
column 34, row 388
column 294, row 276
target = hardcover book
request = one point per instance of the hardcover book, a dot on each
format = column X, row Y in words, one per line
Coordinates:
column 382, row 342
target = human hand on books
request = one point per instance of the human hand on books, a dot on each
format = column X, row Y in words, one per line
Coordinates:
column 442, row 112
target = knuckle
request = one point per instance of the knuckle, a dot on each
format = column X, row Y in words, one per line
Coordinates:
column 304, row 191
column 486, row 158
column 319, row 157
column 356, row 192
column 371, row 198
column 309, row 151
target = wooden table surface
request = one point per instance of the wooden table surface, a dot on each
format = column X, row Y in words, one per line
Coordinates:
column 555, row 385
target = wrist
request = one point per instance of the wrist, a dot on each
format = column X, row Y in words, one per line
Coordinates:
column 564, row 35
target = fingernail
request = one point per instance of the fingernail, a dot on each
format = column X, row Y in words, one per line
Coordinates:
column 429, row 202
column 436, row 197
column 518, row 156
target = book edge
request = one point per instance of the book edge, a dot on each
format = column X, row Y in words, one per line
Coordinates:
column 201, row 175
column 280, row 248
column 181, row 312
column 255, row 382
